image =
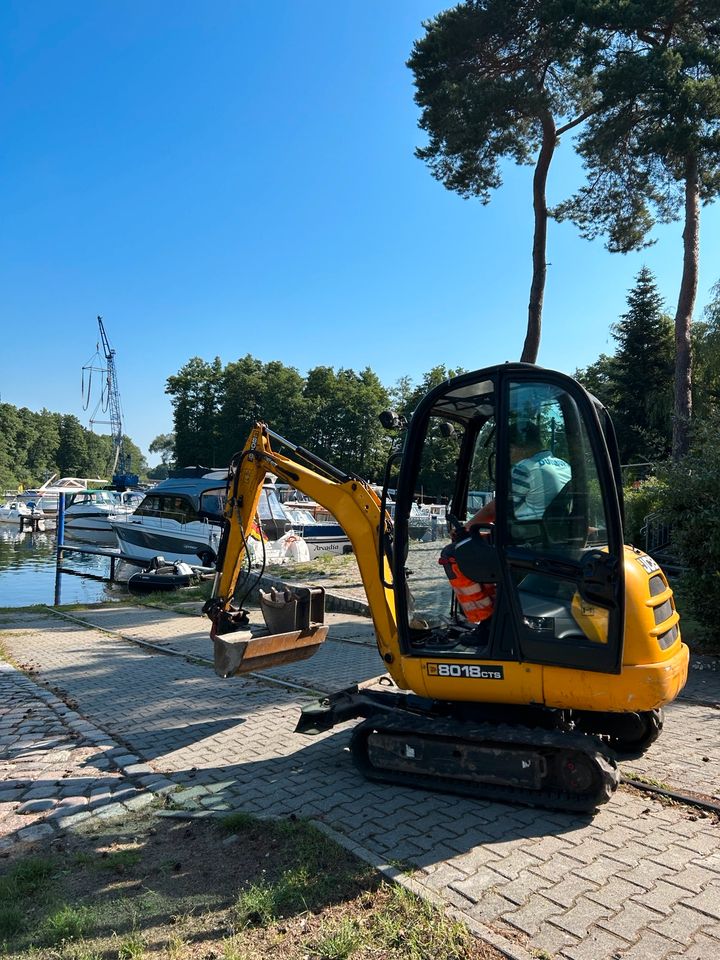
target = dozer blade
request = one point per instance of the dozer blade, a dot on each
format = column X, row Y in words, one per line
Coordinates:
column 242, row 652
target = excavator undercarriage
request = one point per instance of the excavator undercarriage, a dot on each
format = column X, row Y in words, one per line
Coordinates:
column 533, row 756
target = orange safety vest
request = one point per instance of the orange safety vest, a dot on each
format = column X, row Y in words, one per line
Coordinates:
column 477, row 600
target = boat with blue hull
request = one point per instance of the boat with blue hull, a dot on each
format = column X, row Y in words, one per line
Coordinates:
column 180, row 519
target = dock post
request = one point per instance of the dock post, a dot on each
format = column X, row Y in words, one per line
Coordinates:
column 60, row 544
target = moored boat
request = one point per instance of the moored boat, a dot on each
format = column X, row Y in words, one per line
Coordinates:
column 21, row 514
column 179, row 519
column 47, row 496
column 88, row 513
column 321, row 537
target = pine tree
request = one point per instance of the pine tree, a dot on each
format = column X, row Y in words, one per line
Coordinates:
column 642, row 374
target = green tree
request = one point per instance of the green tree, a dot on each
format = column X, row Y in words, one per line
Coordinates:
column 689, row 500
column 281, row 398
column 241, row 395
column 100, row 456
column 643, row 374
column 9, row 427
column 25, row 430
column 436, row 477
column 323, row 399
column 599, row 380
column 159, row 472
column 706, row 360
column 195, row 393
column 164, row 444
column 495, row 81
column 360, row 445
column 252, row 391
column 72, row 451
column 652, row 148
column 635, row 384
column 134, row 457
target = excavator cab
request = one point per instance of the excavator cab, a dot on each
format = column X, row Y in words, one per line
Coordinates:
column 537, row 578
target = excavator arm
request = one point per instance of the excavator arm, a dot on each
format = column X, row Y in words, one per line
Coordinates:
column 350, row 500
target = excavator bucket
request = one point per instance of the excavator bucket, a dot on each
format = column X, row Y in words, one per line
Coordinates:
column 295, row 631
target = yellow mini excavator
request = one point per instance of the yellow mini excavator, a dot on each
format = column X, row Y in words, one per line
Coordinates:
column 525, row 650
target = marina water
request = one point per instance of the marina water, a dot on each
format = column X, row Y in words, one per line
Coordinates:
column 27, row 571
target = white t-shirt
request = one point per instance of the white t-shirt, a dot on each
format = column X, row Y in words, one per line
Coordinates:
column 536, row 481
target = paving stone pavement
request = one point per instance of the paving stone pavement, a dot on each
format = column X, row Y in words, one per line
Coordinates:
column 57, row 768
column 638, row 880
column 350, row 655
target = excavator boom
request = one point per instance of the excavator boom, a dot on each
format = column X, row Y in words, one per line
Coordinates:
column 356, row 507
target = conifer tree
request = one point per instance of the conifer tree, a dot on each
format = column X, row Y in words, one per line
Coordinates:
column 641, row 375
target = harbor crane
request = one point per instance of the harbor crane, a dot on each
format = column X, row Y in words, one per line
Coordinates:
column 109, row 403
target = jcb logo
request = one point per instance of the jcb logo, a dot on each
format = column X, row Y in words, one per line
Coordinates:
column 648, row 564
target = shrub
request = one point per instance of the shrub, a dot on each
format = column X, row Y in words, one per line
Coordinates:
column 690, row 502
column 649, row 496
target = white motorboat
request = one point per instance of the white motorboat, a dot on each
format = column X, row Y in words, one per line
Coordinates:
column 180, row 519
column 321, row 537
column 46, row 497
column 88, row 513
column 19, row 513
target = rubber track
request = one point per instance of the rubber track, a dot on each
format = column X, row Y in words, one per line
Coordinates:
column 552, row 741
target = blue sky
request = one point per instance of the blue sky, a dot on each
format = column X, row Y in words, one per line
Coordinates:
column 238, row 177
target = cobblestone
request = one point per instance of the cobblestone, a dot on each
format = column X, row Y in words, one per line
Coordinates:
column 533, row 914
column 43, row 738
column 39, row 831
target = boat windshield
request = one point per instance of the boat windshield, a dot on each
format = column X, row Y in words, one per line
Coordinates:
column 213, row 502
column 299, row 518
column 104, row 497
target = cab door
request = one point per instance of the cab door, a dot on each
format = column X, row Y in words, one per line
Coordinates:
column 558, row 524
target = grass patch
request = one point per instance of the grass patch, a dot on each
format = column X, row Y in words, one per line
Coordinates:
column 31, row 607
column 237, row 889
column 12, row 920
column 171, row 598
column 237, row 822
column 120, row 861
column 27, row 878
column 131, row 947
column 68, row 923
column 338, row 943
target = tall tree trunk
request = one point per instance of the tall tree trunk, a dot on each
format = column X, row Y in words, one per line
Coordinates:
column 685, row 307
column 539, row 254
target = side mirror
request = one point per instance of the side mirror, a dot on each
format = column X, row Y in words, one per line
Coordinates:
column 391, row 420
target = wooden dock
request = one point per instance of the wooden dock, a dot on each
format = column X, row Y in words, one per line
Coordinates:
column 35, row 523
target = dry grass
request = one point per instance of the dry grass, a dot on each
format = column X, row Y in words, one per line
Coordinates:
column 208, row 890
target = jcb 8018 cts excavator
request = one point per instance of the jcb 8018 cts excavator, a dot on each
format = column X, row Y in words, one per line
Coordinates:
column 569, row 645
